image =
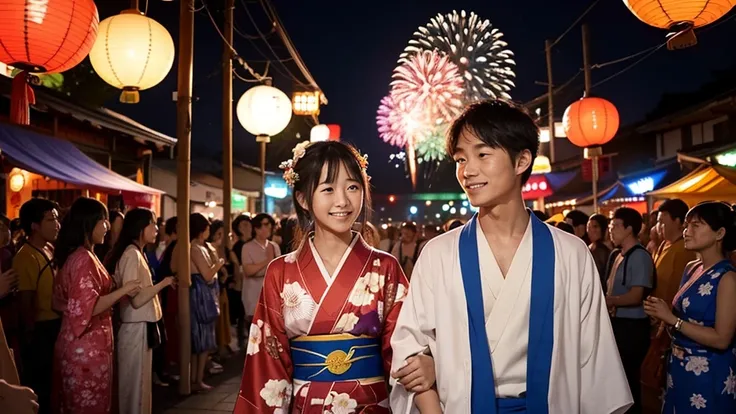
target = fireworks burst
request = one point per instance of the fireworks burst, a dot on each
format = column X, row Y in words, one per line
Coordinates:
column 477, row 49
column 431, row 82
column 398, row 122
column 432, row 147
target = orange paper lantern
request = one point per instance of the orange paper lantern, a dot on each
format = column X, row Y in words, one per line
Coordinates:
column 680, row 17
column 590, row 122
column 43, row 36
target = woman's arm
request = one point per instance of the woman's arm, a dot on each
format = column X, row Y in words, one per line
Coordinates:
column 104, row 303
column 146, row 294
column 207, row 270
column 428, row 402
column 721, row 335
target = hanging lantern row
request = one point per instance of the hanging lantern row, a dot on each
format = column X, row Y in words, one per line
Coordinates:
column 264, row 111
column 133, row 52
column 679, row 17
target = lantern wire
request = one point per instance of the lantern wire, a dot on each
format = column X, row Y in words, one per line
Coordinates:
column 576, row 22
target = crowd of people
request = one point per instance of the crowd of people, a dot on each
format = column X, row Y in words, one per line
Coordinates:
column 335, row 315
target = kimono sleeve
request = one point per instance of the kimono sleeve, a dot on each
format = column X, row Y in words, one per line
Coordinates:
column 394, row 293
column 267, row 374
column 604, row 388
column 83, row 292
column 415, row 329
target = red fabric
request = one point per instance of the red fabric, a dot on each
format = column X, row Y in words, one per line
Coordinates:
column 83, row 357
column 47, row 36
column 370, row 284
column 21, row 99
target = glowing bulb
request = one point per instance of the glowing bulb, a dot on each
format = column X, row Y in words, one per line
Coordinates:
column 453, row 210
column 445, row 207
column 413, row 209
column 428, row 203
column 463, row 211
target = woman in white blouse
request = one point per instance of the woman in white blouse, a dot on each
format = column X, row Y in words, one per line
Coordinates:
column 139, row 313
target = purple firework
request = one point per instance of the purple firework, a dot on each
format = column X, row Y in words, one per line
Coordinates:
column 398, row 122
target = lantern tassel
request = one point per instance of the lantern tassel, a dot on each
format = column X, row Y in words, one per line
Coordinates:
column 681, row 36
column 130, row 96
column 21, row 99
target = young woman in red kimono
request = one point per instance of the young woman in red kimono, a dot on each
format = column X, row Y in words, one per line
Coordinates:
column 320, row 337
column 84, row 293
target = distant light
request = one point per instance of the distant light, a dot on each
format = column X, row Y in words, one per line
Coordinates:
column 384, row 226
column 383, row 209
column 451, row 203
column 465, row 203
column 212, row 215
column 453, row 210
column 445, row 207
column 276, row 192
column 437, row 215
column 413, row 209
column 463, row 211
column 391, row 198
column 390, row 219
column 428, row 203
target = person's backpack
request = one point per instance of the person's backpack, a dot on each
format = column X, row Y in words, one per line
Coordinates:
column 612, row 259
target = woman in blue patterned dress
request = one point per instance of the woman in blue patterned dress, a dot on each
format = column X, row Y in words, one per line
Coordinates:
column 701, row 372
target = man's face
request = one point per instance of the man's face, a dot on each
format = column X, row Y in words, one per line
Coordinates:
column 487, row 175
column 618, row 232
column 49, row 226
column 668, row 226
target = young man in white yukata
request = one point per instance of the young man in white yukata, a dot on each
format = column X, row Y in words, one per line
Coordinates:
column 506, row 302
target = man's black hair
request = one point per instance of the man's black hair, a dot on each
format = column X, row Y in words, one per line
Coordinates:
column 500, row 125
column 630, row 218
column 33, row 211
column 676, row 208
column 257, row 221
column 578, row 218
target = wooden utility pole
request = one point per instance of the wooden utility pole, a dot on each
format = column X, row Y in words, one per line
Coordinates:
column 550, row 101
column 227, row 115
column 592, row 153
column 184, row 137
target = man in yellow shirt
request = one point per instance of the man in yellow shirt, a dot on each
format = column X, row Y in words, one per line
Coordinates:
column 34, row 265
column 670, row 260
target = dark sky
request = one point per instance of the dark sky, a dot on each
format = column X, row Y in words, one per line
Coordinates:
column 352, row 50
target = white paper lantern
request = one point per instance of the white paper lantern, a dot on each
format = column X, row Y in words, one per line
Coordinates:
column 319, row 133
column 264, row 110
column 133, row 53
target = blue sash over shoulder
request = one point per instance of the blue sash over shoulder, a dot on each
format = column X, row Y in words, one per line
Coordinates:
column 541, row 325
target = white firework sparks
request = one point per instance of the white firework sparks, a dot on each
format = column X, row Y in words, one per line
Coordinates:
column 475, row 46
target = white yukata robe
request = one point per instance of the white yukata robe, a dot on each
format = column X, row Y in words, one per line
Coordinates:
column 583, row 371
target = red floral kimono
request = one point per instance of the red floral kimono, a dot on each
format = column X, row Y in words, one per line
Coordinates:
column 321, row 344
column 83, row 354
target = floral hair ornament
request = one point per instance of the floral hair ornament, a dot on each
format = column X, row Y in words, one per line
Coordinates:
column 290, row 176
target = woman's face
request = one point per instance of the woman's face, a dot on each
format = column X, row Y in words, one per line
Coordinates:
column 150, row 233
column 218, row 237
column 116, row 226
column 246, row 229
column 595, row 233
column 98, row 233
column 699, row 236
column 336, row 206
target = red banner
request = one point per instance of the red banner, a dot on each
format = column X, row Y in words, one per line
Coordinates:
column 604, row 168
column 133, row 200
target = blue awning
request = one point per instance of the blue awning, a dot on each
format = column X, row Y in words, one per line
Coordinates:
column 61, row 160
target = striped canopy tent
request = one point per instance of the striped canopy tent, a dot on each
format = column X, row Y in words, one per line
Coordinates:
column 705, row 183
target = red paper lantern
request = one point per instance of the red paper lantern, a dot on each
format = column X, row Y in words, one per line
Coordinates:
column 590, row 122
column 334, row 132
column 43, row 36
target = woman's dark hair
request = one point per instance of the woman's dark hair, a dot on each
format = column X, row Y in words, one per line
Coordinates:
column 288, row 227
column 170, row 226
column 333, row 155
column 216, row 225
column 114, row 216
column 198, row 223
column 236, row 223
column 602, row 222
column 134, row 223
column 77, row 227
column 717, row 215
column 565, row 227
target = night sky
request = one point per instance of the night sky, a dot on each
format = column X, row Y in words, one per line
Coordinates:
column 352, row 50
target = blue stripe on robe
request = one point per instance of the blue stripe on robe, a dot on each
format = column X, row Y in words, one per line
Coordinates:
column 541, row 324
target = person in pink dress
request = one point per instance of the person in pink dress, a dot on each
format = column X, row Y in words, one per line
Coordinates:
column 84, row 293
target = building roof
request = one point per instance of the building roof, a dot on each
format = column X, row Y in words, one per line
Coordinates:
column 47, row 99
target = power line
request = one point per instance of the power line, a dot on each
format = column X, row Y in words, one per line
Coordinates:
column 576, row 22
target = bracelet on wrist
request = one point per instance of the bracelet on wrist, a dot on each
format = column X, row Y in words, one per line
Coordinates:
column 678, row 324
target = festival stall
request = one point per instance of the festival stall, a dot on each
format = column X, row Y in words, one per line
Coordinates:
column 708, row 182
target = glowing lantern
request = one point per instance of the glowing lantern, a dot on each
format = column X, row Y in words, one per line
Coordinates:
column 319, row 133
column 264, row 111
column 132, row 53
column 541, row 165
column 590, row 122
column 43, row 36
column 16, row 181
column 680, row 17
column 334, row 132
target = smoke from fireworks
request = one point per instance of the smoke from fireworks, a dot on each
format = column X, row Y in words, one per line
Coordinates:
column 398, row 121
column 432, row 83
column 477, row 49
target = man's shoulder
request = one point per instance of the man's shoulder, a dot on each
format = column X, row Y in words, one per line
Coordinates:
column 443, row 243
column 569, row 243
